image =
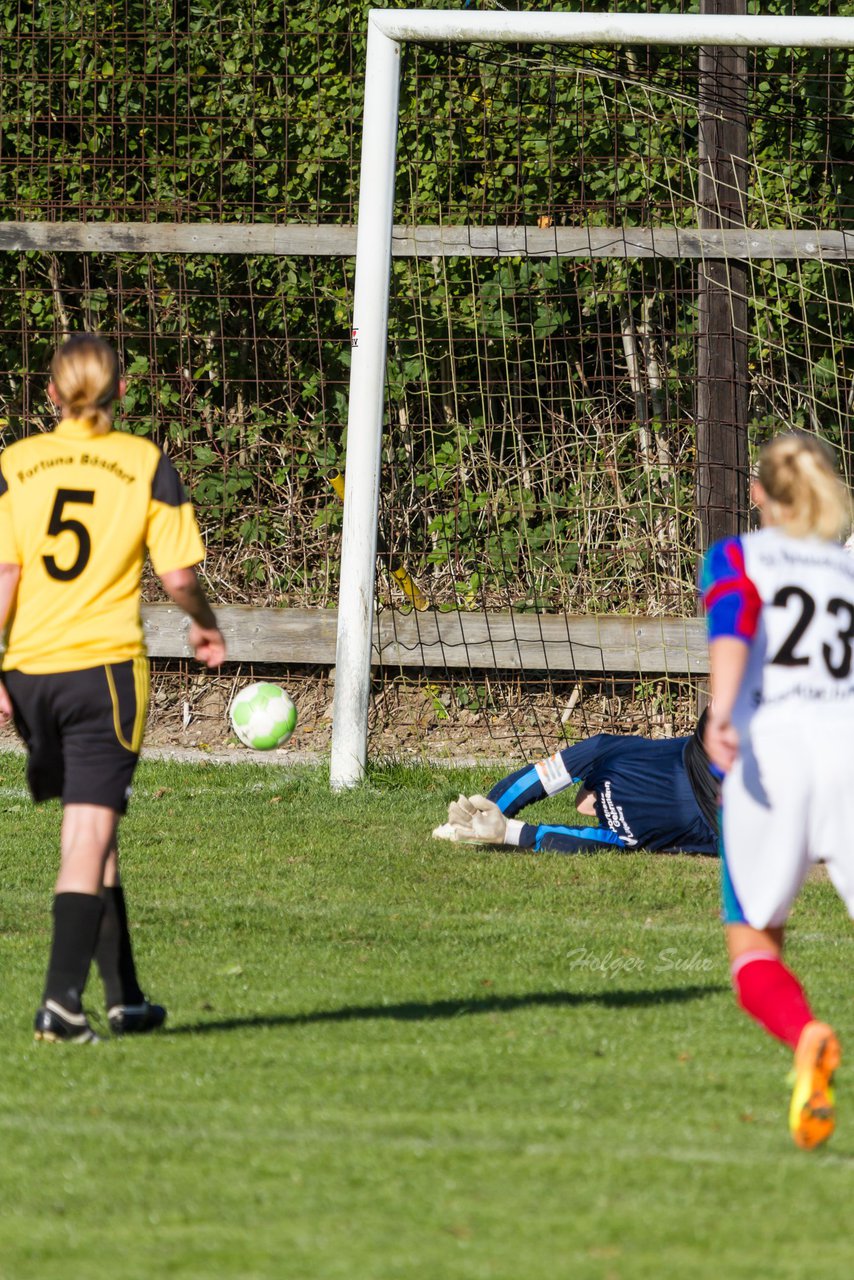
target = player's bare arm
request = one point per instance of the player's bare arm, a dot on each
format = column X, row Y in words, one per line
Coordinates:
column 206, row 640
column 727, row 664
column 9, row 576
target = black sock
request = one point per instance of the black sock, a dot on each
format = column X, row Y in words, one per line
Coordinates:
column 76, row 921
column 114, row 954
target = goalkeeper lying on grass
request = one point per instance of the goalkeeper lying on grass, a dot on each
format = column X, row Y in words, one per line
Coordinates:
column 644, row 794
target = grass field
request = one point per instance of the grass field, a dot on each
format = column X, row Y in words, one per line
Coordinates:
column 391, row 1058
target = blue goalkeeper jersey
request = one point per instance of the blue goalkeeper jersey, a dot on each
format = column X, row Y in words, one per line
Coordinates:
column 645, row 798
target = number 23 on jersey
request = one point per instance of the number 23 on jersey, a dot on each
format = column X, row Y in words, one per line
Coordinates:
column 801, row 646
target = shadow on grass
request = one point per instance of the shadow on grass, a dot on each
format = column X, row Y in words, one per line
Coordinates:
column 418, row 1011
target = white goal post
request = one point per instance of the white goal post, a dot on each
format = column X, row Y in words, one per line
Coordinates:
column 387, row 32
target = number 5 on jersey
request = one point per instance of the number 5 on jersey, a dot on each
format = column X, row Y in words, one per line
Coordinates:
column 60, row 523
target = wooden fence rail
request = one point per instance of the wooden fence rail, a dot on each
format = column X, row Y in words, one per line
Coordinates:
column 303, row 240
column 490, row 641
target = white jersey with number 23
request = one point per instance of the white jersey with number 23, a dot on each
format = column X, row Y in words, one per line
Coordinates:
column 789, row 799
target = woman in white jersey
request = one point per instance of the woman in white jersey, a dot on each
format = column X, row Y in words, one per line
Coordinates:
column 780, row 608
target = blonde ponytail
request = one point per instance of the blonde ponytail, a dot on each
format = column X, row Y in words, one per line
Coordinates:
column 805, row 493
column 85, row 372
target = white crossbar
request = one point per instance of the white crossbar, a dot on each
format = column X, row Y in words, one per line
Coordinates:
column 767, row 31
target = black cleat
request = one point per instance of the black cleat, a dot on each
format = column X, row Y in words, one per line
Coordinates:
column 58, row 1025
column 133, row 1019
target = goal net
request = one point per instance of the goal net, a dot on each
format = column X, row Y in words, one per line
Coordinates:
column 619, row 261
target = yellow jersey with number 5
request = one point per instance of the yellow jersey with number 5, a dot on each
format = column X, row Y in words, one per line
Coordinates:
column 77, row 513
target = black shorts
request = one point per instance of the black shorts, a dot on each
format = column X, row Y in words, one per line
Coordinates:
column 83, row 730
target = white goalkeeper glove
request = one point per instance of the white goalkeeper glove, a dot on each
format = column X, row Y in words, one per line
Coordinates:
column 476, row 820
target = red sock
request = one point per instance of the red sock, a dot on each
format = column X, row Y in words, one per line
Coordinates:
column 771, row 994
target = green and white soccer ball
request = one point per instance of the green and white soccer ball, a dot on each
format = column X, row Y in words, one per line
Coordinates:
column 263, row 716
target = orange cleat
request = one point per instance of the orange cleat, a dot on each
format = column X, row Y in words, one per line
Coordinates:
column 812, row 1113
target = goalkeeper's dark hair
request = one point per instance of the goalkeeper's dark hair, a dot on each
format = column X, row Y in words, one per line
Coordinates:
column 806, row 495
column 85, row 372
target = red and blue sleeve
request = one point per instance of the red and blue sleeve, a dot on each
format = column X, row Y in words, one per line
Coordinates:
column 730, row 598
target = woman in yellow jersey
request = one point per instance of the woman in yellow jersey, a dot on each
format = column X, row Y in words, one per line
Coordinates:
column 79, row 508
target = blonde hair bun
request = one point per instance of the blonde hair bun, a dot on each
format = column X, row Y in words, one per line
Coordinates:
column 806, row 495
column 85, row 372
